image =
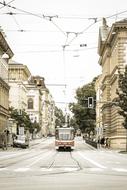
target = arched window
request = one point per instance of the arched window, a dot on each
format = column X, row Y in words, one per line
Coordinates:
column 30, row 103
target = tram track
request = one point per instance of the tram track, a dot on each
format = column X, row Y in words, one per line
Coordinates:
column 78, row 163
column 55, row 168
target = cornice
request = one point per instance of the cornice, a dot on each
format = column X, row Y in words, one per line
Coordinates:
column 4, row 84
column 5, row 47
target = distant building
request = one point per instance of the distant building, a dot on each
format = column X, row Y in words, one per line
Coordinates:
column 48, row 116
column 34, row 99
column 112, row 49
column 40, row 105
column 30, row 94
column 5, row 55
column 18, row 77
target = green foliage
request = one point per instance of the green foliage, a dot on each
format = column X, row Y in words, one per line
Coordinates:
column 22, row 118
column 60, row 118
column 34, row 126
column 122, row 96
column 84, row 117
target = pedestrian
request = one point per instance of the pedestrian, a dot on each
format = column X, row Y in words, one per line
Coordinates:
column 107, row 142
column 4, row 140
column 99, row 143
column 103, row 142
column 83, row 136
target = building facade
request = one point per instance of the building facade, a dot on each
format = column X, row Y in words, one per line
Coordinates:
column 40, row 105
column 112, row 49
column 48, row 116
column 18, row 77
column 4, row 86
column 34, row 103
column 30, row 94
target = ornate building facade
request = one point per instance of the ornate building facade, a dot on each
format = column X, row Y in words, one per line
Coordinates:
column 112, row 49
column 41, row 105
column 18, row 77
column 4, row 87
column 30, row 94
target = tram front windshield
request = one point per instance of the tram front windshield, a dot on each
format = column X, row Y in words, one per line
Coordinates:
column 66, row 135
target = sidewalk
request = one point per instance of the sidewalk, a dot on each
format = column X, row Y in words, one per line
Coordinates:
column 37, row 141
column 31, row 143
column 99, row 148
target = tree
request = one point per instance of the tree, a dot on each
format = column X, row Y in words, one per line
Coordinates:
column 122, row 96
column 60, row 118
column 22, row 118
column 84, row 116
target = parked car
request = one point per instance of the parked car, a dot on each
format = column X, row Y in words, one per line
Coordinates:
column 21, row 141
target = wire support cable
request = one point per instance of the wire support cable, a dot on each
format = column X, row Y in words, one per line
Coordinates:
column 21, row 10
column 4, row 3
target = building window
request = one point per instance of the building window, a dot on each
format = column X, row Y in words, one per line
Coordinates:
column 30, row 103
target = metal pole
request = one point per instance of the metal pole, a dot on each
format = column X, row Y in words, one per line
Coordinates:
column 126, row 139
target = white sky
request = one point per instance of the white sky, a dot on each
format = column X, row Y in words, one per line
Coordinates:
column 40, row 45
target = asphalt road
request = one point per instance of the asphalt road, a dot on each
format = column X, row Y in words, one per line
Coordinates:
column 41, row 167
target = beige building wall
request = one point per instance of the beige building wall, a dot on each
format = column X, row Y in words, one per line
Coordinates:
column 17, row 95
column 43, row 105
column 18, row 77
column 33, row 95
column 4, row 87
column 48, row 117
column 99, row 126
column 112, row 50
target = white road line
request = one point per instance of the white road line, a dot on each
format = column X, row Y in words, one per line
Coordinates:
column 39, row 158
column 46, row 169
column 13, row 155
column 95, row 169
column 92, row 161
column 21, row 169
column 70, row 169
column 119, row 169
column 2, row 169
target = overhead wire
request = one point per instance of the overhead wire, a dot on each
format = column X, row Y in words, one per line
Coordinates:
column 21, row 10
column 33, row 14
column 95, row 21
column 58, row 27
column 73, row 17
column 43, row 16
column 119, row 13
column 5, row 3
column 15, row 20
column 53, row 51
column 50, row 18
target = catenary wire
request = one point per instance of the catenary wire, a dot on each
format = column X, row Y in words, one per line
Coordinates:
column 85, row 29
column 7, row 3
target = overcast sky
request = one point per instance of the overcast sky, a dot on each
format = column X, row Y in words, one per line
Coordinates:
column 48, row 35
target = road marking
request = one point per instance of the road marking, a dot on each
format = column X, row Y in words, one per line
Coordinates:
column 39, row 158
column 21, row 169
column 70, row 169
column 47, row 169
column 119, row 169
column 92, row 161
column 1, row 169
column 13, row 155
column 95, row 169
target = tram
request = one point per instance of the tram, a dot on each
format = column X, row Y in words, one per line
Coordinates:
column 64, row 137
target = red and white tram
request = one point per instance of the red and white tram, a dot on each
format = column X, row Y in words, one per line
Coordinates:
column 64, row 137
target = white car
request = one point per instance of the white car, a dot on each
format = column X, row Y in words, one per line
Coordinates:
column 21, row 141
